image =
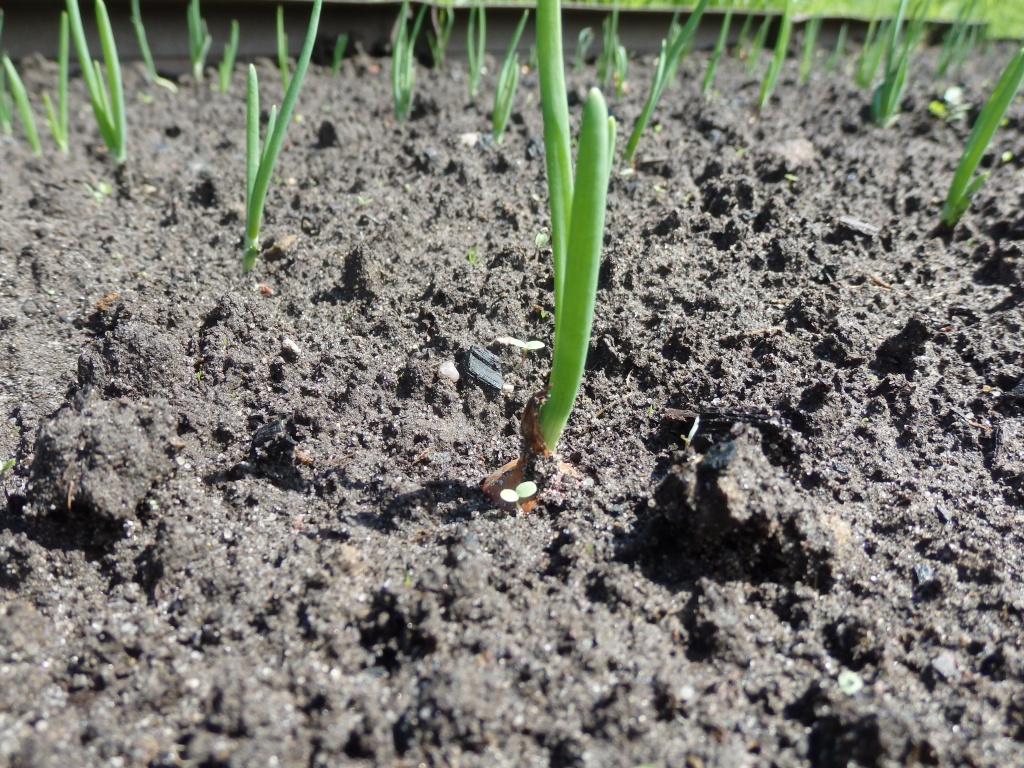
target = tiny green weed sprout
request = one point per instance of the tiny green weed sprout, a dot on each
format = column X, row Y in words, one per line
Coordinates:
column 147, row 56
column 473, row 255
column 199, row 40
column 952, row 107
column 282, row 48
column 758, row 44
column 716, row 54
column 508, row 80
column 668, row 61
column 541, row 239
column 107, row 101
column 403, row 73
column 28, row 122
column 340, row 46
column 577, row 218
column 771, row 76
column 476, row 46
column 442, row 22
column 259, row 162
column 9, row 464
column 524, row 346
column 583, row 42
column 57, row 115
column 519, row 494
column 839, row 51
column 965, row 183
column 811, row 30
column 619, row 69
column 227, row 61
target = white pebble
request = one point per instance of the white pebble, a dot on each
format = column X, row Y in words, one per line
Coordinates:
column 447, row 370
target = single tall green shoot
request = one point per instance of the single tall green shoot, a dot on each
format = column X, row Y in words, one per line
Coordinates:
column 508, row 80
column 668, row 61
column 57, row 115
column 716, row 54
column 6, row 106
column 259, row 162
column 199, row 40
column 227, row 61
column 476, row 46
column 758, row 45
column 771, row 76
column 340, row 45
column 28, row 121
column 811, row 30
column 583, row 42
column 282, row 48
column 612, row 51
column 403, row 73
column 107, row 102
column 147, row 56
column 965, row 183
column 839, row 51
column 577, row 218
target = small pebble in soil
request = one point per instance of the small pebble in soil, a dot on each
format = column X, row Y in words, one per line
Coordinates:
column 289, row 350
column 447, row 370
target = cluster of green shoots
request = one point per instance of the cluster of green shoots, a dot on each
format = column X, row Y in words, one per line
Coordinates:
column 577, row 203
column 613, row 62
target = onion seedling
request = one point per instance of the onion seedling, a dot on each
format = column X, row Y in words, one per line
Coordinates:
column 668, row 61
column 340, row 45
column 147, row 56
column 956, row 37
column 227, row 62
column 442, row 20
column 871, row 52
column 577, row 218
column 20, row 96
column 811, row 30
column 716, row 54
column 57, row 116
column 282, row 48
column 476, row 45
column 403, row 74
column 6, row 122
column 583, row 42
column 107, row 101
column 744, row 36
column 508, row 80
column 259, row 162
column 965, row 183
column 199, row 40
column 885, row 102
column 612, row 51
column 771, row 76
column 758, row 45
column 839, row 51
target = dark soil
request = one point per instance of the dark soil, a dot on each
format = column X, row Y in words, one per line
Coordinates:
column 245, row 525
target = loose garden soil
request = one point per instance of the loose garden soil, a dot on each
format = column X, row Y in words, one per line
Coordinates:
column 244, row 526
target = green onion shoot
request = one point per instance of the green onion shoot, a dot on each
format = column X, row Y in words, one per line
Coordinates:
column 668, row 61
column 107, row 101
column 20, row 96
column 282, row 48
column 811, row 30
column 57, row 115
column 442, row 21
column 340, row 46
column 771, row 76
column 965, row 183
column 259, row 162
column 227, row 61
column 147, row 56
column 403, row 72
column 476, row 46
column 716, row 54
column 508, row 80
column 199, row 40
column 577, row 218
